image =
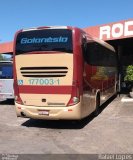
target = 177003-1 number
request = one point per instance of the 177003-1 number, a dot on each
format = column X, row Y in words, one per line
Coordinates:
column 39, row 81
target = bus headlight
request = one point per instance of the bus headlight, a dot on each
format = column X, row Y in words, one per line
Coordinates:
column 75, row 96
column 75, row 100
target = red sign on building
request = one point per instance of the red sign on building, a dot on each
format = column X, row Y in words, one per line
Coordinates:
column 111, row 31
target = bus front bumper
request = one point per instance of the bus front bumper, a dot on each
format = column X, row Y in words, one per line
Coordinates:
column 49, row 113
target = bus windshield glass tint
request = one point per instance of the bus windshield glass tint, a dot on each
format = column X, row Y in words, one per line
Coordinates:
column 44, row 40
column 6, row 71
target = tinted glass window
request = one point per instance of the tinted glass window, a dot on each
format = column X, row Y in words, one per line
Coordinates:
column 98, row 55
column 6, row 71
column 44, row 40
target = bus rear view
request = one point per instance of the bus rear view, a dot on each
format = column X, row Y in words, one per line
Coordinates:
column 43, row 74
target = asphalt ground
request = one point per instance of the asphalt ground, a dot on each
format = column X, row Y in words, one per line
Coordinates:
column 111, row 132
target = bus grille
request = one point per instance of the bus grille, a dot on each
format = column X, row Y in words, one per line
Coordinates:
column 44, row 71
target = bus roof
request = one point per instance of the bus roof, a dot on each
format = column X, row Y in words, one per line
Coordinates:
column 46, row 27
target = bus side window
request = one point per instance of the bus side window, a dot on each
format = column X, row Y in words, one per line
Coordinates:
column 97, row 55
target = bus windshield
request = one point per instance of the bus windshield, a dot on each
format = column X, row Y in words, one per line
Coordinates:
column 6, row 70
column 44, row 40
column 6, row 66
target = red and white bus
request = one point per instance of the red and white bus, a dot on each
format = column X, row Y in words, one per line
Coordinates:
column 61, row 73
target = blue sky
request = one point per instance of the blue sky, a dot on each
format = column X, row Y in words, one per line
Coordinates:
column 18, row 14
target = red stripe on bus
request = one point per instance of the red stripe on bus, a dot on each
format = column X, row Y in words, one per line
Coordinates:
column 45, row 89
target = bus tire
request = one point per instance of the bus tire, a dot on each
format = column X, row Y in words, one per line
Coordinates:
column 96, row 112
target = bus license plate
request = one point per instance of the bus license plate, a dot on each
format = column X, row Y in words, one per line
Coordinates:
column 43, row 112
